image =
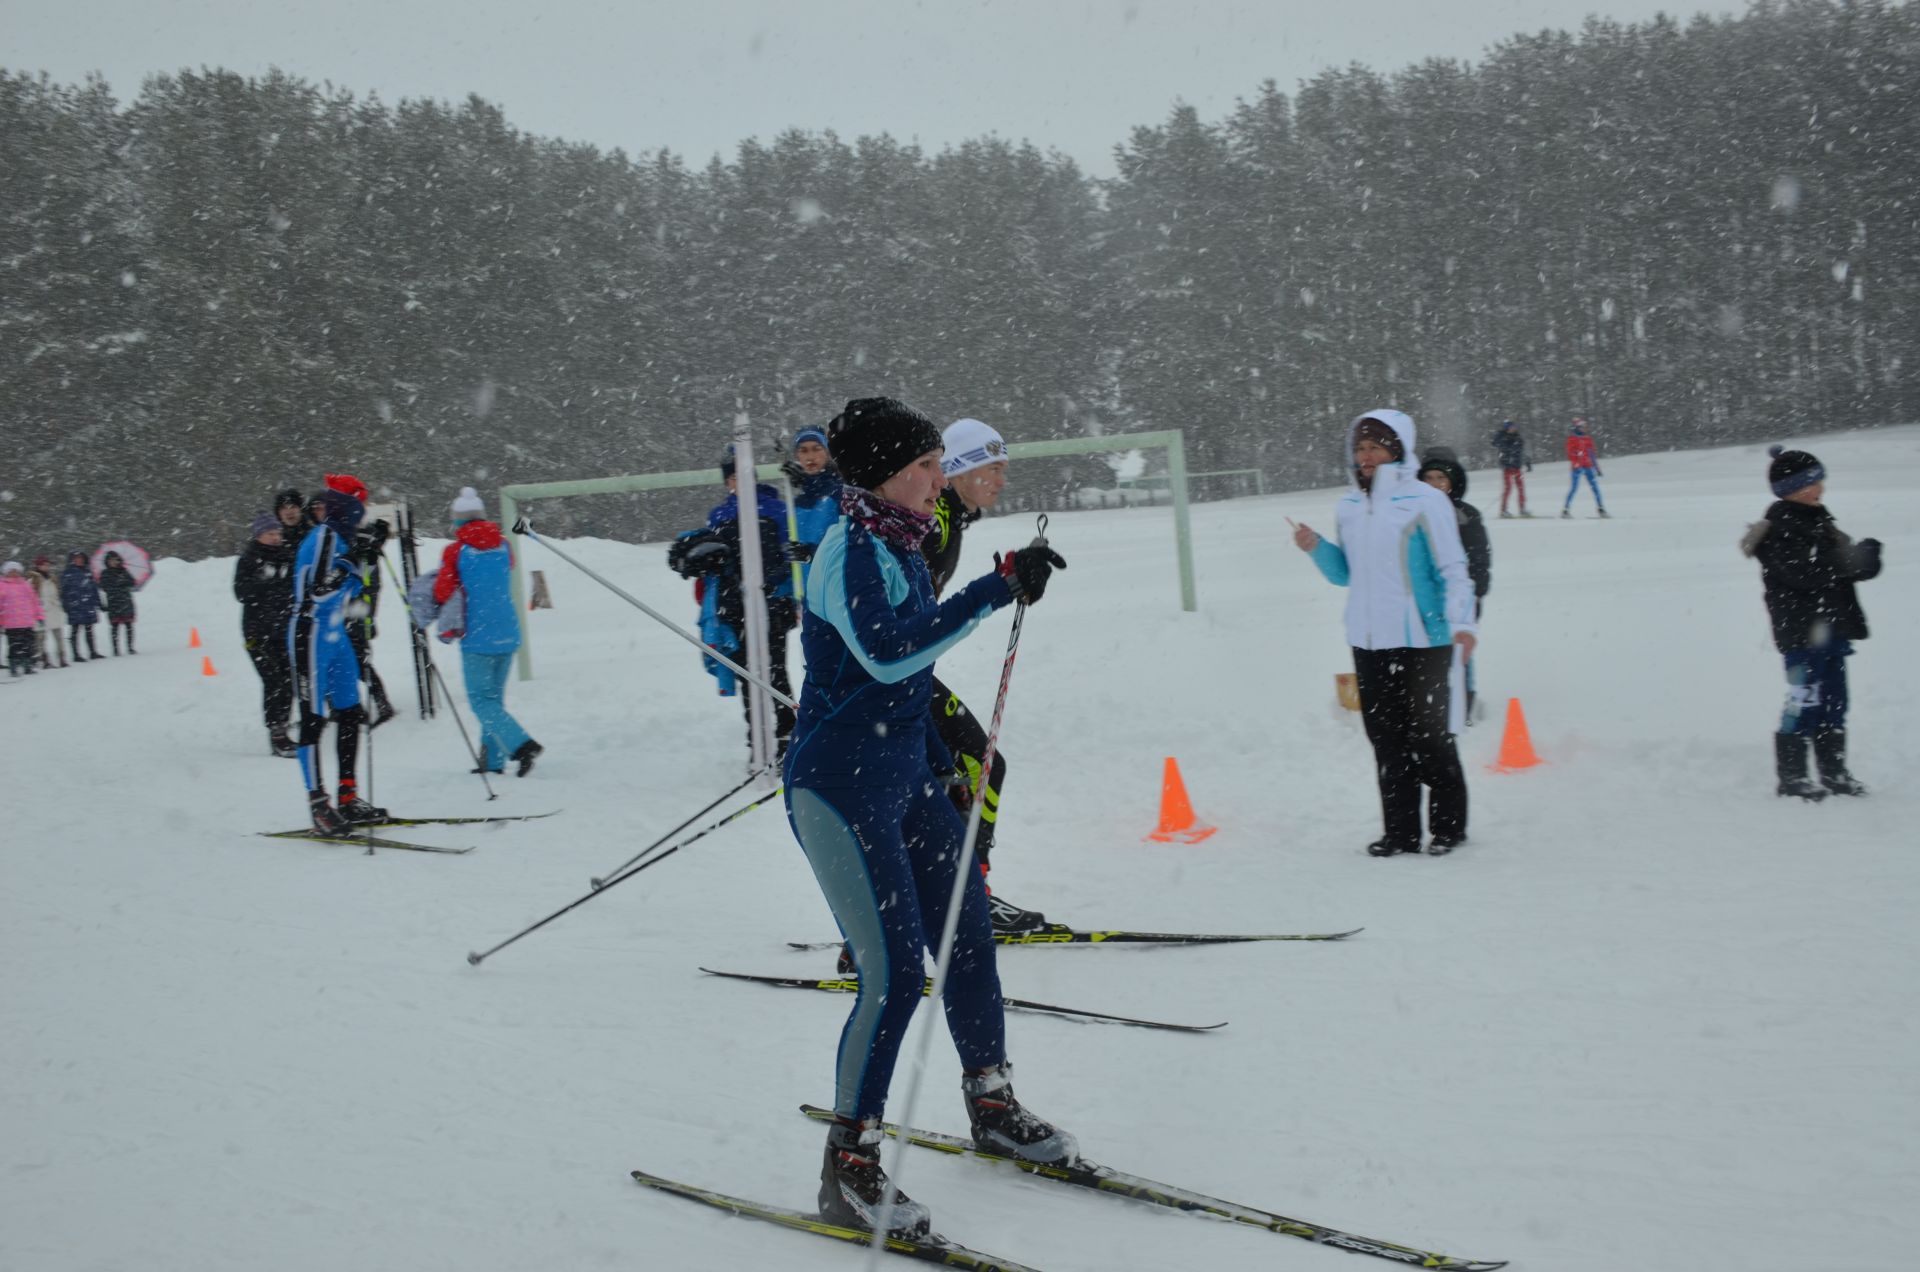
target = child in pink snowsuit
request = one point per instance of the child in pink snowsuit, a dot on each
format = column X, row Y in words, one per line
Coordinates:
column 20, row 613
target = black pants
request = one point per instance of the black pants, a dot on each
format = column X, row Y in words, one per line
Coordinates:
column 1403, row 704
column 780, row 611
column 73, row 638
column 19, row 649
column 361, row 639
column 966, row 736
column 268, row 651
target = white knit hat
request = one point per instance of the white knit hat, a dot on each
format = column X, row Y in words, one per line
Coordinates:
column 467, row 505
column 12, row 567
column 970, row 445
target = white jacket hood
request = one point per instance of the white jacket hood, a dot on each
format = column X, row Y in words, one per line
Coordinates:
column 1402, row 425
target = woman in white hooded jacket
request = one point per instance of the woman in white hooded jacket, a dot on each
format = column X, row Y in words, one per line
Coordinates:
column 1396, row 548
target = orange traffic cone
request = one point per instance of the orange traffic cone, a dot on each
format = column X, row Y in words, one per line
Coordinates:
column 1516, row 745
column 206, row 666
column 1176, row 811
column 193, row 638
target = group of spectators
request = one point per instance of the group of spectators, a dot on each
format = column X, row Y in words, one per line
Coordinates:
column 31, row 598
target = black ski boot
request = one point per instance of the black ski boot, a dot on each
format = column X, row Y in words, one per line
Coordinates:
column 528, row 752
column 282, row 745
column 325, row 820
column 1441, row 845
column 1830, row 757
column 1790, row 763
column 844, row 964
column 853, row 1188
column 383, row 711
column 1386, row 847
column 357, row 812
column 1001, row 1124
column 1011, row 919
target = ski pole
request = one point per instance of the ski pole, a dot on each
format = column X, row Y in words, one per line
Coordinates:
column 521, row 527
column 600, row 881
column 477, row 957
column 951, row 927
column 479, row 760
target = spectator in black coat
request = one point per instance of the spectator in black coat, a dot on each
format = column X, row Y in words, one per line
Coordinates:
column 1808, row 567
column 1444, row 473
column 263, row 584
column 117, row 587
column 80, row 598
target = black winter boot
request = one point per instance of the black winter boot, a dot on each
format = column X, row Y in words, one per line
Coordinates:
column 853, row 1188
column 1001, row 1124
column 525, row 755
column 1011, row 919
column 1830, row 757
column 1790, row 762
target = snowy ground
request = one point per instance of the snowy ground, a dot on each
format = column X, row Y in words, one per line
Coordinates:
column 1650, row 1017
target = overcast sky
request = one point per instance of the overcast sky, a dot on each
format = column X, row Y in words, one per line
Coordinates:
column 697, row 76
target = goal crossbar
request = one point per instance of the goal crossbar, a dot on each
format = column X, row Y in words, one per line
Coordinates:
column 1171, row 440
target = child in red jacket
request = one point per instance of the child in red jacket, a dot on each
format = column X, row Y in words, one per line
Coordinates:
column 1580, row 455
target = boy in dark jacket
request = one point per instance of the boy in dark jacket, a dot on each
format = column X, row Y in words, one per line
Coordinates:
column 80, row 598
column 1444, row 473
column 263, row 584
column 1808, row 568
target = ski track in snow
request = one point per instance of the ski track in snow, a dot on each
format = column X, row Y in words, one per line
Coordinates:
column 1649, row 1017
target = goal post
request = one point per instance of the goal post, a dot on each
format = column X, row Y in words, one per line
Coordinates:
column 1170, row 440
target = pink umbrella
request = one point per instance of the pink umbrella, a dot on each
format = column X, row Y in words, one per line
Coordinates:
column 132, row 555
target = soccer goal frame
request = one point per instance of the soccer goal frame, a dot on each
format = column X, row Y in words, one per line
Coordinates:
column 1172, row 440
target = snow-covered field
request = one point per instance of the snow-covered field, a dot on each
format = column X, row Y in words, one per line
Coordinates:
column 1650, row 1017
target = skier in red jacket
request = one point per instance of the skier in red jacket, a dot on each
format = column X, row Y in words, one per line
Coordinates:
column 1580, row 455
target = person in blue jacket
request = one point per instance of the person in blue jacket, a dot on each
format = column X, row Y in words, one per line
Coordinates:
column 479, row 565
column 328, row 572
column 816, row 493
column 80, row 598
column 866, row 793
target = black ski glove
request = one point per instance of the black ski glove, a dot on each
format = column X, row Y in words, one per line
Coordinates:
column 1028, row 570
column 801, row 551
column 795, row 474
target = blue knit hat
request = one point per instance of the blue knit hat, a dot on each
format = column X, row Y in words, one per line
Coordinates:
column 1793, row 471
column 810, row 435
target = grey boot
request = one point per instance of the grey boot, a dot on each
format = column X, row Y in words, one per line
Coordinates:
column 1790, row 762
column 1830, row 757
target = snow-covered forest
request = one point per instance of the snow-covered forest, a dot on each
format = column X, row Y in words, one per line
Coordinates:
column 1690, row 233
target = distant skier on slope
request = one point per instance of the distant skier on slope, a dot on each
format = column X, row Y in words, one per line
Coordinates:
column 1409, row 604
column 1511, row 448
column 865, row 792
column 1584, row 463
column 1808, row 567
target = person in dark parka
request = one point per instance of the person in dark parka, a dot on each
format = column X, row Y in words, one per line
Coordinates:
column 1444, row 473
column 117, row 587
column 263, row 584
column 1808, row 568
column 80, row 598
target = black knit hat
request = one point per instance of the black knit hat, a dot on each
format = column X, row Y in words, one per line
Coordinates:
column 289, row 498
column 874, row 438
column 1792, row 471
column 1370, row 429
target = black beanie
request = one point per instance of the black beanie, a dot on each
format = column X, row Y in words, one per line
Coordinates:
column 874, row 438
column 1792, row 471
column 289, row 498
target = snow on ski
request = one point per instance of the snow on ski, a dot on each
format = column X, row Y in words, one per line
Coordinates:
column 360, row 841
column 462, row 821
column 934, row 1249
column 1060, row 934
column 1103, row 1179
column 851, row 985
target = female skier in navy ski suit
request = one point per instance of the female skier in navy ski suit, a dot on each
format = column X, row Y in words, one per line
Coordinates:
column 866, row 794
